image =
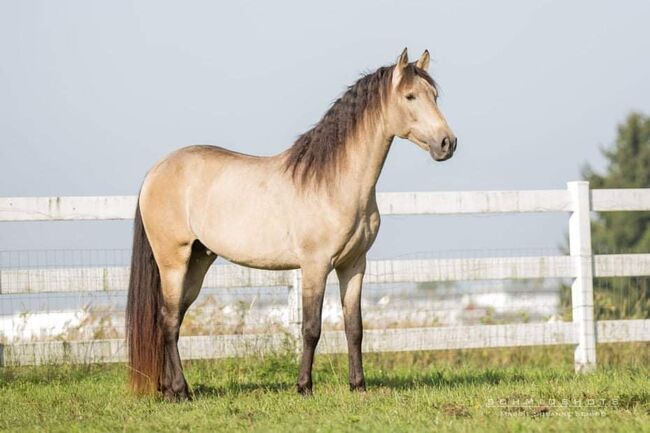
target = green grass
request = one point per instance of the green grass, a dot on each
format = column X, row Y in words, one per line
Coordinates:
column 426, row 391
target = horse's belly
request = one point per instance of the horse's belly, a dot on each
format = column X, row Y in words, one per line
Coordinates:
column 271, row 257
column 250, row 239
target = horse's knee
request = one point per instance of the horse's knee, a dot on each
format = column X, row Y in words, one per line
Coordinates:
column 311, row 333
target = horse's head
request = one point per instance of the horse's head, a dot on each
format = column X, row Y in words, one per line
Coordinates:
column 414, row 112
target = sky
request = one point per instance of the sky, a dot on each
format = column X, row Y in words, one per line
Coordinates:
column 93, row 93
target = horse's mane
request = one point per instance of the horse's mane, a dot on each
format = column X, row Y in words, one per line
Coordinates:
column 316, row 154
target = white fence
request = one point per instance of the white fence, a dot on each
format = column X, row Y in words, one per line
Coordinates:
column 581, row 265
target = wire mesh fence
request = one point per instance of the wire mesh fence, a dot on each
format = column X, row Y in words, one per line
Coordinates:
column 81, row 295
column 68, row 304
column 617, row 298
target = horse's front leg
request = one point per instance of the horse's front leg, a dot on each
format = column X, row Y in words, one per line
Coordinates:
column 350, row 281
column 313, row 289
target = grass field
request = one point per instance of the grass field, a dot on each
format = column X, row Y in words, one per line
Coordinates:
column 472, row 391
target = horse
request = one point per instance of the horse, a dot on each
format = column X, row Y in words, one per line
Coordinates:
column 311, row 207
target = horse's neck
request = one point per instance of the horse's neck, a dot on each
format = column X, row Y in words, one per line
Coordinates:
column 365, row 157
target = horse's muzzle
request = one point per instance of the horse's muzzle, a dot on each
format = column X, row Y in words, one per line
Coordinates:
column 445, row 149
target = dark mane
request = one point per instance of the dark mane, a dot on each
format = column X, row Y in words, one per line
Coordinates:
column 317, row 153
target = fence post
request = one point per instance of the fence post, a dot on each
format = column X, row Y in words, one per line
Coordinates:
column 582, row 290
column 295, row 307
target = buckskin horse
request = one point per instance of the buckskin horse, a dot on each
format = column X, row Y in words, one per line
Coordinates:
column 311, row 207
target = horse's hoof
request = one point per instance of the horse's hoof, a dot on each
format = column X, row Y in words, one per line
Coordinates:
column 304, row 390
column 177, row 397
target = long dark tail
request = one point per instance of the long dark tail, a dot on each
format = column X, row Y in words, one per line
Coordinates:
column 143, row 317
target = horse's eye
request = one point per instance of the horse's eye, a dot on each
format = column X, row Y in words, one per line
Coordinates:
column 410, row 96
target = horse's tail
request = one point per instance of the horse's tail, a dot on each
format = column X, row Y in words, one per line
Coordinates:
column 143, row 316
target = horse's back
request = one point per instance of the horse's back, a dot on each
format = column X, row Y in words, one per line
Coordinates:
column 212, row 151
column 249, row 210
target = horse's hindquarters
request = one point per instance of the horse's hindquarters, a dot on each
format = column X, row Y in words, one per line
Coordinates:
column 238, row 206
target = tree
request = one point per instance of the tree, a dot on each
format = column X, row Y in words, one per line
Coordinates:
column 623, row 232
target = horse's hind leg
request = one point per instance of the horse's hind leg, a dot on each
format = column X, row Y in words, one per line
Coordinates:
column 181, row 278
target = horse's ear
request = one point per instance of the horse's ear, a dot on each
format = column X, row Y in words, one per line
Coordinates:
column 423, row 61
column 402, row 62
column 403, row 59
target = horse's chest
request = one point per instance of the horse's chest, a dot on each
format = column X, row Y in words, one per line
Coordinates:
column 361, row 237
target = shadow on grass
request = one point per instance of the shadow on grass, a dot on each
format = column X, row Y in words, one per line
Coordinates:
column 446, row 380
column 438, row 380
column 276, row 375
column 208, row 391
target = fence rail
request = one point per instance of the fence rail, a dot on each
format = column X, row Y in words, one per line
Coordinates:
column 581, row 265
column 114, row 278
column 390, row 203
column 389, row 340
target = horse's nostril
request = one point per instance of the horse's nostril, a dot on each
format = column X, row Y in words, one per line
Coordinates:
column 445, row 144
column 454, row 144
